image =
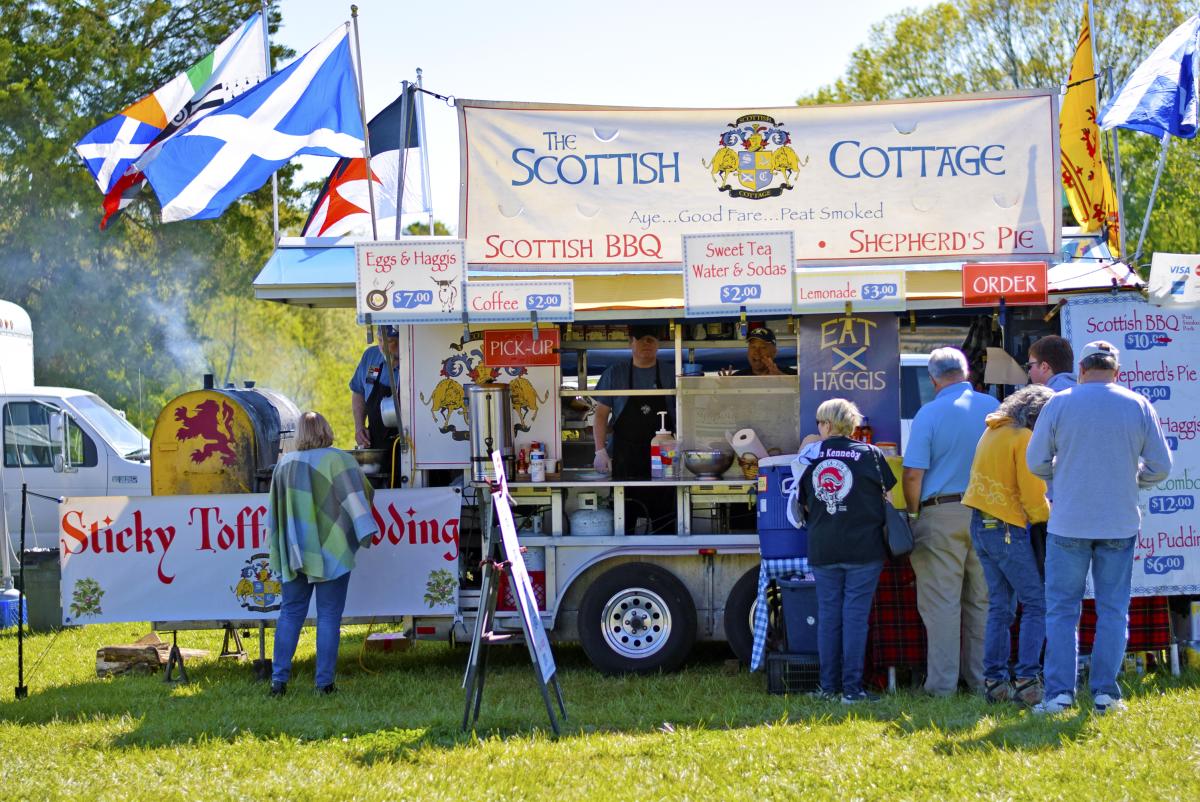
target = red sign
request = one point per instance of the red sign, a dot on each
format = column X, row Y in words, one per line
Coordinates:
column 517, row 348
column 1018, row 283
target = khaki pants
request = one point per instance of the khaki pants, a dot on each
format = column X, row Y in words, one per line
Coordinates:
column 951, row 597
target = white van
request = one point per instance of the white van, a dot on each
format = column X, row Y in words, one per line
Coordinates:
column 57, row 441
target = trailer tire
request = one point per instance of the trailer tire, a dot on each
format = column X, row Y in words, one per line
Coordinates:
column 739, row 616
column 637, row 618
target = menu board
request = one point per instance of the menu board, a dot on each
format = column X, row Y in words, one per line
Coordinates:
column 414, row 280
column 728, row 274
column 1160, row 359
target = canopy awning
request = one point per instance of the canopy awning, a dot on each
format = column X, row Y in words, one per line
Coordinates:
column 316, row 272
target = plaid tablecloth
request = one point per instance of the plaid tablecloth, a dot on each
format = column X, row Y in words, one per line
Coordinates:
column 1149, row 625
column 896, row 633
column 768, row 570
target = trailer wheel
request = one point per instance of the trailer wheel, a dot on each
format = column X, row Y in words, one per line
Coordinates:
column 739, row 615
column 637, row 618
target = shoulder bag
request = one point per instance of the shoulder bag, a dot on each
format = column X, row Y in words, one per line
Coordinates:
column 897, row 534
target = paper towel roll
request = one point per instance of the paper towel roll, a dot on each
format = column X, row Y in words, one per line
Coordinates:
column 745, row 441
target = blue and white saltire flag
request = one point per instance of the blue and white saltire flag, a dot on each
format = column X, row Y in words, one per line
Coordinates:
column 308, row 108
column 1161, row 95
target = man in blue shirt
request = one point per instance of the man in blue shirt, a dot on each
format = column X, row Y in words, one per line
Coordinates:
column 1051, row 361
column 371, row 386
column 951, row 589
column 1100, row 442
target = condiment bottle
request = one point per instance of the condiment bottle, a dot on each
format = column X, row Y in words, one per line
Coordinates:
column 867, row 433
column 522, row 470
column 662, row 451
column 537, row 467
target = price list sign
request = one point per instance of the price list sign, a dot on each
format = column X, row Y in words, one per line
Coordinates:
column 727, row 274
column 517, row 301
column 414, row 280
column 1160, row 360
column 820, row 290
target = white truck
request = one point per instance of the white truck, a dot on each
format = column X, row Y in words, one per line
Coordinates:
column 57, row 441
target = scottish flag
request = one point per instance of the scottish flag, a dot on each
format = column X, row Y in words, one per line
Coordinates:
column 308, row 108
column 1162, row 94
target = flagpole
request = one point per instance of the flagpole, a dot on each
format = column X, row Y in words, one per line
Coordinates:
column 1162, row 159
column 1116, row 148
column 425, row 190
column 402, row 160
column 362, row 107
column 275, row 175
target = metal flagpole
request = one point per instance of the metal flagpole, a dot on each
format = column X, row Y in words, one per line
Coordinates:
column 425, row 191
column 1162, row 159
column 270, row 70
column 362, row 107
column 402, row 160
column 1116, row 149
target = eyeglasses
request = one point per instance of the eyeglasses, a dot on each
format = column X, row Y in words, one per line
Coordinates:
column 1031, row 363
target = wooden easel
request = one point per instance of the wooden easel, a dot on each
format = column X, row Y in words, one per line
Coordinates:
column 500, row 555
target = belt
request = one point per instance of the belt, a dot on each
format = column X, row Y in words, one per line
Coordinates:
column 951, row 499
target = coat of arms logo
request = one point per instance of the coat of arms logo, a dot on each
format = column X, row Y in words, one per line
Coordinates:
column 259, row 589
column 746, row 154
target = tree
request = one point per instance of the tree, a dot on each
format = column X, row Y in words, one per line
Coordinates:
column 983, row 45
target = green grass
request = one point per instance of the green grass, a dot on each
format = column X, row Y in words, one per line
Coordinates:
column 393, row 733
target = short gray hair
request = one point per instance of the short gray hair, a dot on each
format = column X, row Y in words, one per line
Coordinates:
column 1098, row 362
column 1026, row 404
column 944, row 362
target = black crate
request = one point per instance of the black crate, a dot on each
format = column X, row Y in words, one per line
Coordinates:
column 793, row 673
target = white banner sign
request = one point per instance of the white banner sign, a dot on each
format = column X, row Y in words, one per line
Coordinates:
column 1175, row 279
column 867, row 290
column 727, row 274
column 415, row 280
column 937, row 179
column 204, row 558
column 1160, row 358
column 516, row 301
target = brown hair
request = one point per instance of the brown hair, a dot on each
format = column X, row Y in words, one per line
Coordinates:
column 1055, row 351
column 313, row 431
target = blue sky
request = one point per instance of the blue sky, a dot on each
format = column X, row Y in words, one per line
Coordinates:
column 615, row 52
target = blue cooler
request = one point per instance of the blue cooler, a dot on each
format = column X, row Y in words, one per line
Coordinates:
column 777, row 538
column 9, row 605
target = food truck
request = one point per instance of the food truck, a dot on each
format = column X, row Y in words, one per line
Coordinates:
column 579, row 222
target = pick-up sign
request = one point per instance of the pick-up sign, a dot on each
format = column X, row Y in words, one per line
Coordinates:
column 1018, row 283
column 517, row 348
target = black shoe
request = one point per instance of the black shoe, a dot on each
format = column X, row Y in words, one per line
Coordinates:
column 278, row 688
column 325, row 690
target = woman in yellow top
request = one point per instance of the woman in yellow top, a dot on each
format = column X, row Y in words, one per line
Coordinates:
column 1007, row 500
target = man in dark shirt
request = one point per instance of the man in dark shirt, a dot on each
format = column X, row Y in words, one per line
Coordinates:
column 760, row 353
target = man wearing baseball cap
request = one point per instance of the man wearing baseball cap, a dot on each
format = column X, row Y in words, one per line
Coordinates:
column 1099, row 442
column 760, row 353
column 370, row 386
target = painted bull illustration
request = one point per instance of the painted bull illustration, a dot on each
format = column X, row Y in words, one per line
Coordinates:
column 724, row 164
column 785, row 162
column 446, row 398
column 525, row 400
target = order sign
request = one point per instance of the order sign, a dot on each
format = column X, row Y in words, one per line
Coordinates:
column 1018, row 283
column 517, row 301
column 867, row 290
column 726, row 274
column 414, row 280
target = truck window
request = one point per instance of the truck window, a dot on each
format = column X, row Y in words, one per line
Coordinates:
column 27, row 435
column 27, row 441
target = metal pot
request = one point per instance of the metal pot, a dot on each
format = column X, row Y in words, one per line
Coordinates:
column 372, row 460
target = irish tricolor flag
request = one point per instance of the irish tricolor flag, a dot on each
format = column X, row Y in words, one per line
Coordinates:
column 116, row 150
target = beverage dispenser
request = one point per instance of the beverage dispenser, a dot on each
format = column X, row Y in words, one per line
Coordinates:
column 490, row 418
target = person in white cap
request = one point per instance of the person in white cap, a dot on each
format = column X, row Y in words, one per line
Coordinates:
column 1099, row 442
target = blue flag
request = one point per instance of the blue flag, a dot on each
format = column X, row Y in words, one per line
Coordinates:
column 308, row 108
column 1161, row 95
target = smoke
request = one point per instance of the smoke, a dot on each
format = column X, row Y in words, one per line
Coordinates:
column 182, row 346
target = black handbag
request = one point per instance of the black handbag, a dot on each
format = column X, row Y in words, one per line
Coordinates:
column 897, row 534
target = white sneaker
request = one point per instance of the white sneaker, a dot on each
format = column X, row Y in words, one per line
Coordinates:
column 1104, row 704
column 1055, row 705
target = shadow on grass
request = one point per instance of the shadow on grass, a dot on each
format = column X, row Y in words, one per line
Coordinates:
column 395, row 705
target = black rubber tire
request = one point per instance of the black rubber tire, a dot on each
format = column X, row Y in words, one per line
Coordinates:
column 738, row 608
column 666, row 598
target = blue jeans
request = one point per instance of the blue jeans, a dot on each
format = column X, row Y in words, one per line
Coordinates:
column 844, row 594
column 1012, row 576
column 331, row 601
column 1067, row 563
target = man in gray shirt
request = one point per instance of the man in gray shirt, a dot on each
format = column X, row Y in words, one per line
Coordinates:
column 1099, row 442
